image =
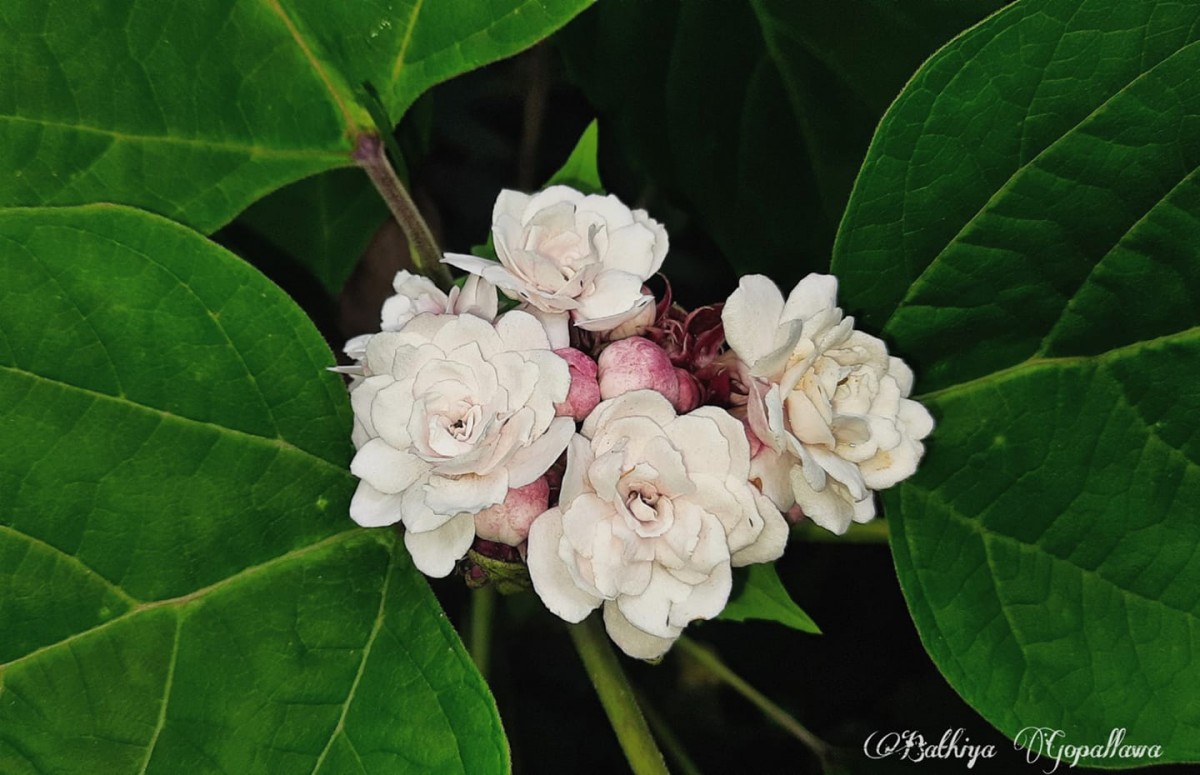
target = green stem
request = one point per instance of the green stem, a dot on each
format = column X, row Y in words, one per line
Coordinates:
column 483, row 606
column 670, row 743
column 370, row 154
column 873, row 532
column 591, row 641
column 708, row 659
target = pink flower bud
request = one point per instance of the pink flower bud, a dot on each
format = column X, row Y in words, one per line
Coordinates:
column 689, row 391
column 584, row 392
column 636, row 363
column 508, row 522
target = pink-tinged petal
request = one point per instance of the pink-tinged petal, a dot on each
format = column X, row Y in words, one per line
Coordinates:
column 661, row 242
column 556, row 324
column 548, row 198
column 771, row 540
column 494, row 273
column 418, row 517
column 477, row 297
column 509, row 522
column 636, row 643
column 751, row 317
column 436, row 552
column 707, row 599
column 533, row 460
column 611, row 210
column 521, row 331
column 650, row 611
column 770, row 473
column 631, row 249
column 510, row 203
column 579, row 459
column 388, row 469
column 468, row 492
column 362, row 398
column 704, row 448
column 639, row 403
column 391, row 413
column 813, row 294
column 371, row 508
column 552, row 581
column 466, row 329
column 614, row 294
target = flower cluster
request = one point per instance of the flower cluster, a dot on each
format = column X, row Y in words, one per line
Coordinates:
column 628, row 452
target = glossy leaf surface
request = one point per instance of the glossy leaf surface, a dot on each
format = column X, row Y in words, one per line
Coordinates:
column 181, row 589
column 1025, row 229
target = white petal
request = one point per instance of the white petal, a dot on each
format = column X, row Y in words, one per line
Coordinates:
column 388, row 469
column 771, row 541
column 521, row 331
column 771, row 471
column 491, row 271
column 551, row 580
column 631, row 249
column 435, row 552
column 636, row 403
column 661, row 242
column 478, row 298
column 634, row 642
column 544, row 199
column 469, row 492
column 532, row 461
column 614, row 293
column 813, row 294
column 579, row 459
column 555, row 324
column 650, row 611
column 510, row 203
column 371, row 508
column 707, row 599
column 751, row 317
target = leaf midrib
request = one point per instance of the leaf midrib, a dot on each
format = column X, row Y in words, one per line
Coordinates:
column 180, row 601
column 280, row 444
column 1033, row 362
column 1003, row 190
column 249, row 149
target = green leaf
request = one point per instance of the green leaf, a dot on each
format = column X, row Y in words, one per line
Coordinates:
column 756, row 115
column 181, row 589
column 579, row 171
column 194, row 110
column 1025, row 228
column 325, row 222
column 762, row 596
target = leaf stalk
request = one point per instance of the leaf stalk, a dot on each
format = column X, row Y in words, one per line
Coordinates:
column 616, row 695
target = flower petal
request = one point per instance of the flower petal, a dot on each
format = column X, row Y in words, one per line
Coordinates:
column 751, row 317
column 388, row 469
column 435, row 552
column 637, row 643
column 551, row 580
column 371, row 508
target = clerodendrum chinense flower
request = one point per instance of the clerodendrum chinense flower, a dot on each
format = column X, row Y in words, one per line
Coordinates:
column 566, row 253
column 828, row 403
column 452, row 412
column 655, row 508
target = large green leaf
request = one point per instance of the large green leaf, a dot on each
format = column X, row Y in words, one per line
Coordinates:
column 180, row 587
column 1026, row 228
column 196, row 109
column 756, row 114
